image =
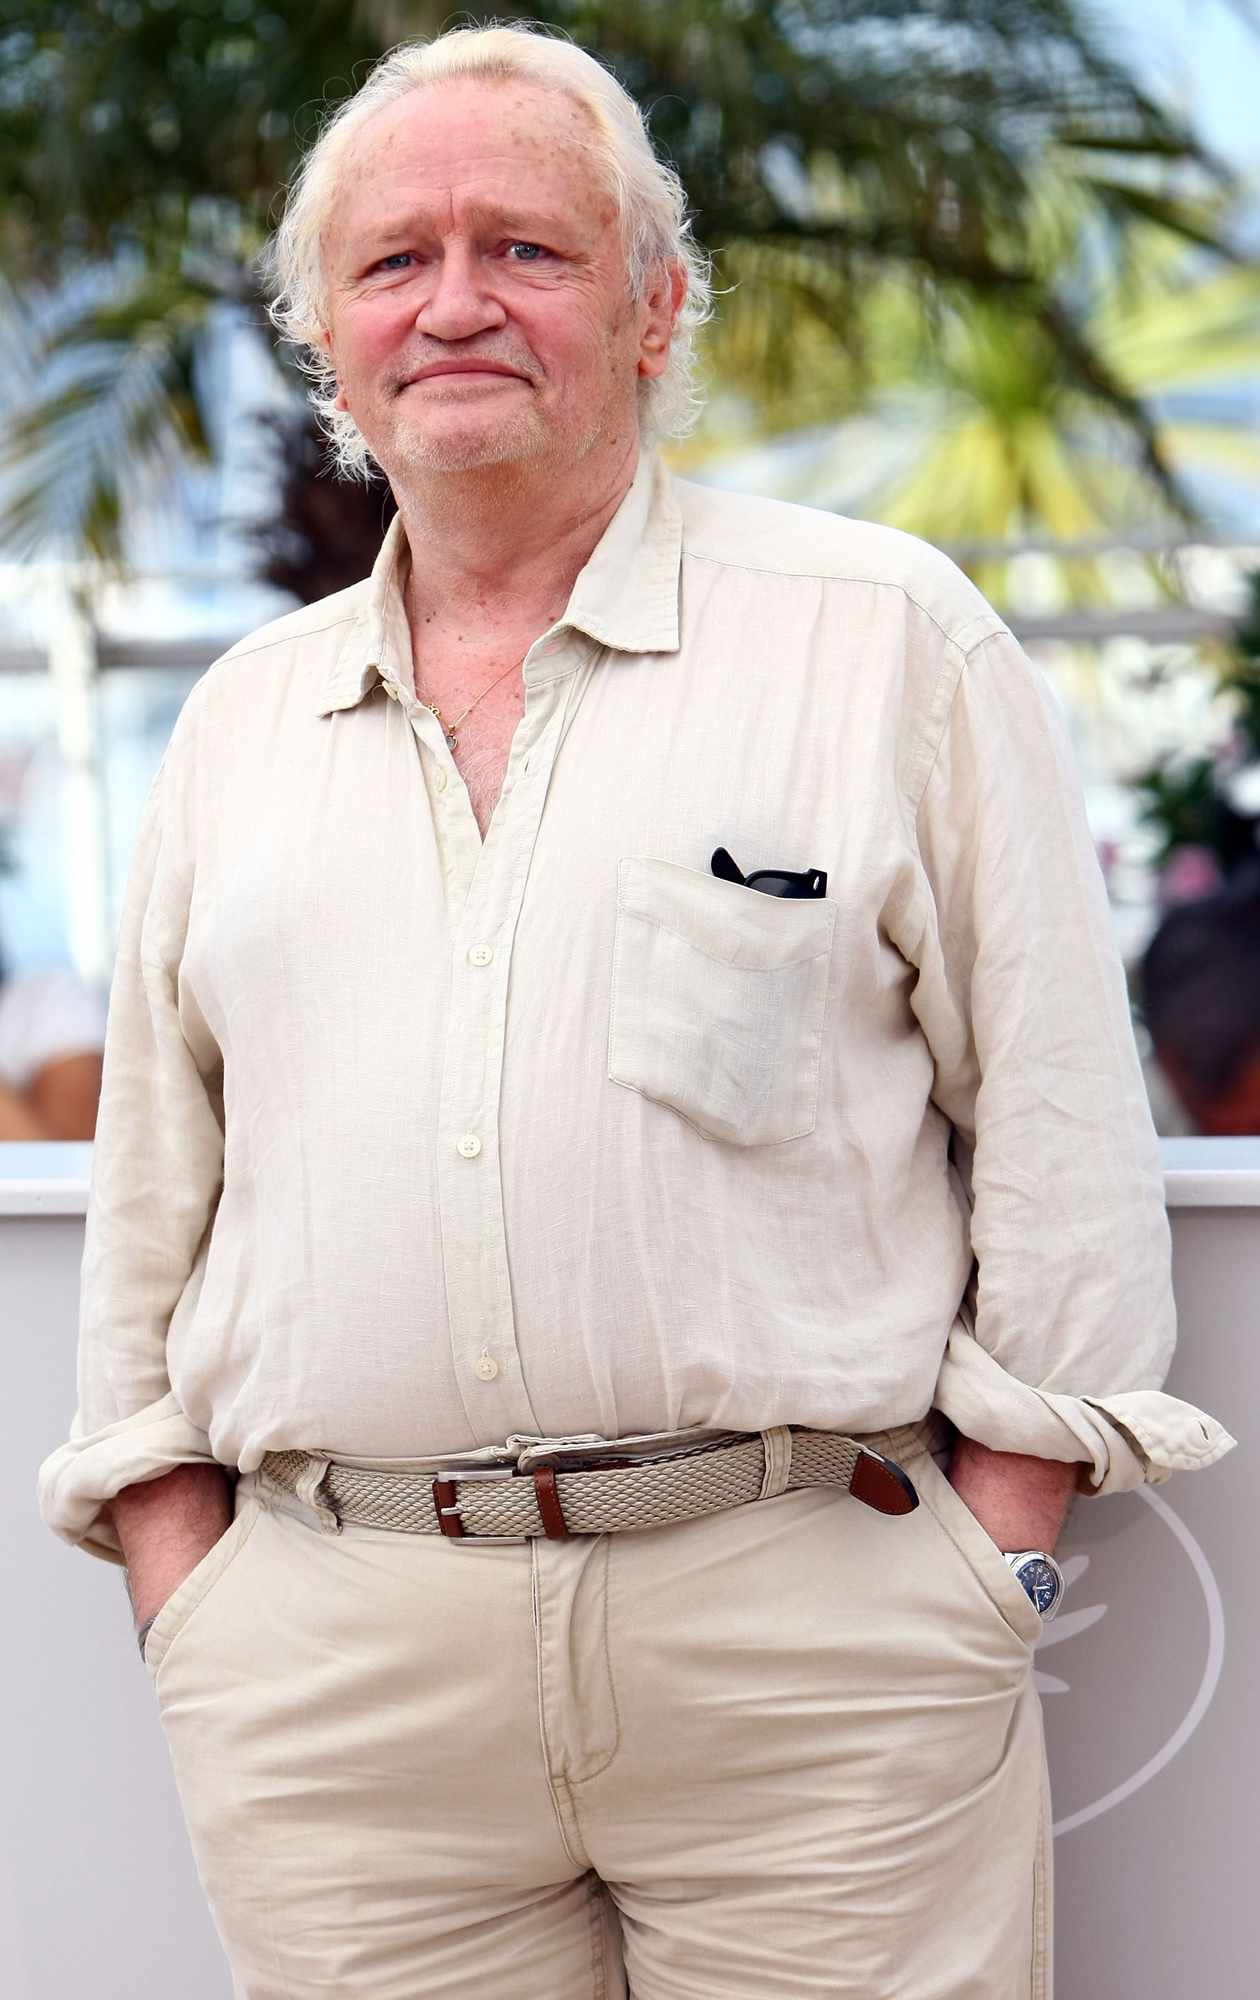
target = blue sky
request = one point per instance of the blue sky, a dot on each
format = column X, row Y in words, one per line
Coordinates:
column 1198, row 54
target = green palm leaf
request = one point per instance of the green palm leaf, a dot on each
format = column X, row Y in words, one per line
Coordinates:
column 118, row 420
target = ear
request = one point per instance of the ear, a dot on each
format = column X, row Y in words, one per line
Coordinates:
column 660, row 309
column 325, row 341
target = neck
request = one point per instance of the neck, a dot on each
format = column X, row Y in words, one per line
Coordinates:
column 504, row 546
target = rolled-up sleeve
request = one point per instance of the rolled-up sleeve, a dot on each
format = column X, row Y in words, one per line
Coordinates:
column 1068, row 1324
column 157, row 1167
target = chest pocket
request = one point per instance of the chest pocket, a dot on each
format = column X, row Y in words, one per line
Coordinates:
column 719, row 995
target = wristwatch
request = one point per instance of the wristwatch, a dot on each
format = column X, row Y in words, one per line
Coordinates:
column 1041, row 1577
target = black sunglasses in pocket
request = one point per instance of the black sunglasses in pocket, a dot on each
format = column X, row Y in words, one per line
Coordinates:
column 799, row 882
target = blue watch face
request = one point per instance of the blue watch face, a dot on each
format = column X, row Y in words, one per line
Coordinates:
column 1041, row 1583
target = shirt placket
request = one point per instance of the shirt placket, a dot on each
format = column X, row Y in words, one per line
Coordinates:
column 483, row 1335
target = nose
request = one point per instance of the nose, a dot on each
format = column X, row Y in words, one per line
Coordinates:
column 457, row 303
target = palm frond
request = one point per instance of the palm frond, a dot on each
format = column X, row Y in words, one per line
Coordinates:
column 108, row 415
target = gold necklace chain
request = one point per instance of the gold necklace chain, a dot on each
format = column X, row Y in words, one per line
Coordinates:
column 450, row 730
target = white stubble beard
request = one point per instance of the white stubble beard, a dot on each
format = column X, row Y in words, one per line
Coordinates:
column 517, row 436
column 520, row 438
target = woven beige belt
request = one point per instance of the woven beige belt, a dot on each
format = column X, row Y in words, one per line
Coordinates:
column 585, row 1494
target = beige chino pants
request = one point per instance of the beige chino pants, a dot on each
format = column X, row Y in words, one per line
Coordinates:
column 789, row 1750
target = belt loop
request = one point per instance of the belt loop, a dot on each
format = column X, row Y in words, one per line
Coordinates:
column 777, row 1444
column 309, row 1482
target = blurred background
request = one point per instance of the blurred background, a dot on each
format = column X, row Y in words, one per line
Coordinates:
column 990, row 273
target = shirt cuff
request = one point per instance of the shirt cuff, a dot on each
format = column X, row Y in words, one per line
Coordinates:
column 1126, row 1438
column 77, row 1480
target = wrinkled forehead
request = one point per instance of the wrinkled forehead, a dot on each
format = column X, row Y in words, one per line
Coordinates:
column 476, row 145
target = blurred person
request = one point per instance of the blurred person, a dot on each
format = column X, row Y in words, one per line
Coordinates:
column 1199, row 983
column 624, row 1203
column 52, row 1029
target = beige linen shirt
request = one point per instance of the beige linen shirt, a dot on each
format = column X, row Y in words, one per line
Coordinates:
column 409, row 1144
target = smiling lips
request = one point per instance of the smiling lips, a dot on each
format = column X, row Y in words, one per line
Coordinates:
column 448, row 370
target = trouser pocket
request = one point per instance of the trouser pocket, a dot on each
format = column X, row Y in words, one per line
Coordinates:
column 978, row 1551
column 189, row 1597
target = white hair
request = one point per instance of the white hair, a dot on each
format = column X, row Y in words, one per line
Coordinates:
column 651, row 207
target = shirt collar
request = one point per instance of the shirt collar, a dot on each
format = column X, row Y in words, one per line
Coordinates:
column 626, row 597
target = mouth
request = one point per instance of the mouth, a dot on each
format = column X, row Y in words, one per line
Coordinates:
column 464, row 372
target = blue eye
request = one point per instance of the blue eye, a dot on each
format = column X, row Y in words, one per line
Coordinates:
column 533, row 252
column 391, row 262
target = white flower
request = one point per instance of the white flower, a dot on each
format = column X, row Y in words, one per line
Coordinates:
column 1241, row 789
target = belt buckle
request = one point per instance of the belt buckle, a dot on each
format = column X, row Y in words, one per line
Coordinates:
column 446, row 1506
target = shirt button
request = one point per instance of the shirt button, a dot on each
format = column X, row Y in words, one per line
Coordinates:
column 439, row 780
column 481, row 954
column 486, row 1368
column 470, row 1145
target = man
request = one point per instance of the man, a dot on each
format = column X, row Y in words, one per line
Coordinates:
column 1200, row 987
column 461, row 1097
